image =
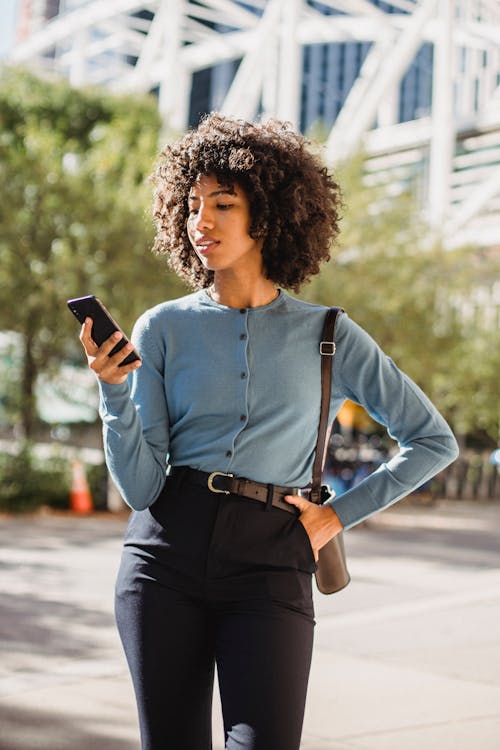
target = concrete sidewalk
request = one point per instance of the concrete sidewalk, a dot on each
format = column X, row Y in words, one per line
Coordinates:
column 414, row 642
column 407, row 656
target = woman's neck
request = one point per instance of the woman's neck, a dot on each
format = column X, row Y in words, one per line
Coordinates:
column 233, row 293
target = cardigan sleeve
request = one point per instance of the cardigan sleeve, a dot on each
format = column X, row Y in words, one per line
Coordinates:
column 135, row 425
column 365, row 375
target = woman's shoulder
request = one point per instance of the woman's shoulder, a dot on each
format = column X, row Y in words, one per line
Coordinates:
column 308, row 308
column 157, row 319
column 168, row 309
column 345, row 324
column 300, row 305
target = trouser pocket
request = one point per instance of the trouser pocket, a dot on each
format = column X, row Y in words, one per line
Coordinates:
column 301, row 532
column 246, row 535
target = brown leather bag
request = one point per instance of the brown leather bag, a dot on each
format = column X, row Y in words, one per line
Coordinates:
column 332, row 574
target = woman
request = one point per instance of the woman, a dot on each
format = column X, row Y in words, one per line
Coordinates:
column 229, row 384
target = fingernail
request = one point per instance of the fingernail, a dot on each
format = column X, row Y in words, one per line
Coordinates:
column 87, row 321
column 117, row 335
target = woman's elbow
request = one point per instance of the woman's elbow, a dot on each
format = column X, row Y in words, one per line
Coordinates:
column 450, row 450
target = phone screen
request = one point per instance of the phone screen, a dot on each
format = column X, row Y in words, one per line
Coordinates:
column 103, row 324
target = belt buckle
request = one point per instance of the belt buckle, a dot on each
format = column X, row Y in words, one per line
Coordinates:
column 210, row 482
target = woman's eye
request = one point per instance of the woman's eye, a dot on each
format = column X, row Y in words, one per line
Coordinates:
column 224, row 206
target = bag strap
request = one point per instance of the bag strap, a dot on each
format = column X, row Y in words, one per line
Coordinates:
column 327, row 349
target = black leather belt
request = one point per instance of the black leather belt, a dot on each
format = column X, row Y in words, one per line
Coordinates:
column 228, row 484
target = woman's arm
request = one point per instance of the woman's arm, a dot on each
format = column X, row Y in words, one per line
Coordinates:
column 135, row 417
column 364, row 374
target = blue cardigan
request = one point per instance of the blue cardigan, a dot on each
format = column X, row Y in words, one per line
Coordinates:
column 224, row 389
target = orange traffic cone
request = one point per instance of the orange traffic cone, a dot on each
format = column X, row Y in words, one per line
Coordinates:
column 80, row 499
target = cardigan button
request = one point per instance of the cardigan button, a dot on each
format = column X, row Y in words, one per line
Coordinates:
column 229, row 454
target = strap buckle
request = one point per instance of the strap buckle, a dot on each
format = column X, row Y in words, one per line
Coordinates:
column 328, row 352
column 210, row 482
column 326, row 493
column 321, row 495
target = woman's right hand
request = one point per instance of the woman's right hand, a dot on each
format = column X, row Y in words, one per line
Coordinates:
column 107, row 368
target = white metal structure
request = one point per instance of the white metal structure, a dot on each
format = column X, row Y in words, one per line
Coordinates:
column 455, row 150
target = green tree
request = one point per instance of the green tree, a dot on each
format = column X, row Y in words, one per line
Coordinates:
column 74, row 215
column 470, row 396
column 470, row 389
column 408, row 292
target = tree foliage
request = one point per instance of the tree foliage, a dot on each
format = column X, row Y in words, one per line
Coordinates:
column 410, row 294
column 74, row 215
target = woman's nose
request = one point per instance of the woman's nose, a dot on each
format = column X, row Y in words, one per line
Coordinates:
column 204, row 217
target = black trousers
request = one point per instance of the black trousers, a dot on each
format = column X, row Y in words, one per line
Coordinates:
column 211, row 579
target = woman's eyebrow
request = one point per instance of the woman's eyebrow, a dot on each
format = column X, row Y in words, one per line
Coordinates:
column 223, row 191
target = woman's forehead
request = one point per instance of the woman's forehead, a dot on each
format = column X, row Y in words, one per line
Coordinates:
column 212, row 185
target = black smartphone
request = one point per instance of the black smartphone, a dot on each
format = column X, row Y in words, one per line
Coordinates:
column 103, row 324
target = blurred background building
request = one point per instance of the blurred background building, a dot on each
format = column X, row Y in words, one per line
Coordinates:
column 415, row 83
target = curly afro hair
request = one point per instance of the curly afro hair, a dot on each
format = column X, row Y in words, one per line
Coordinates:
column 294, row 202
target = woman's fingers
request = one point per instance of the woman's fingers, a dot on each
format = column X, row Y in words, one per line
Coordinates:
column 300, row 502
column 112, row 373
column 107, row 368
column 320, row 521
column 86, row 337
column 89, row 344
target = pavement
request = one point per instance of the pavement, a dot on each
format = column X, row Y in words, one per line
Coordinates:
column 406, row 657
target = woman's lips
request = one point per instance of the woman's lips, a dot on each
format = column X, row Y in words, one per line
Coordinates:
column 206, row 247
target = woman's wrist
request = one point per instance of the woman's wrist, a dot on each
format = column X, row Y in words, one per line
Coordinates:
column 334, row 520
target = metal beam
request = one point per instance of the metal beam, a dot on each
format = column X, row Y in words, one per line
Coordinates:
column 68, row 24
column 374, row 82
column 356, row 7
column 152, row 47
column 243, row 96
column 473, row 205
column 287, row 105
column 175, row 83
column 443, row 135
column 408, row 6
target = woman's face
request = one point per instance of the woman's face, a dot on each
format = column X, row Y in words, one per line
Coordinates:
column 218, row 224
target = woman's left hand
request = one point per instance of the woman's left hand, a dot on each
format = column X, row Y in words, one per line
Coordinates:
column 320, row 521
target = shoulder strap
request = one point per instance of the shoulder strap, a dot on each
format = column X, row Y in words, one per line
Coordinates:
column 327, row 349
